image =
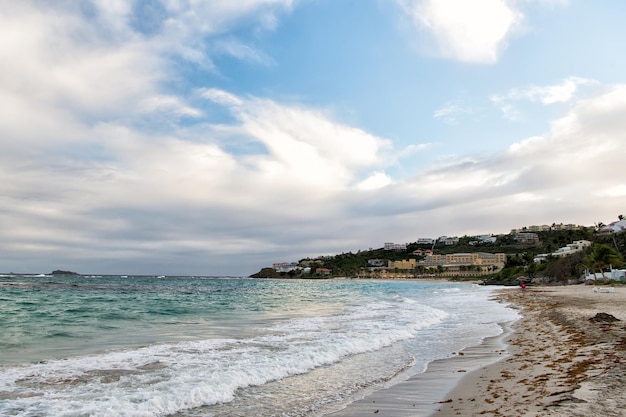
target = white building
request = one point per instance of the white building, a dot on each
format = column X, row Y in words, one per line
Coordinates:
column 615, row 227
column 485, row 239
column 285, row 266
column 448, row 240
column 576, row 246
column 526, row 238
column 425, row 241
column 395, row 246
column 613, row 274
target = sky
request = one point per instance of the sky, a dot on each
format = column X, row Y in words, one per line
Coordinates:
column 188, row 137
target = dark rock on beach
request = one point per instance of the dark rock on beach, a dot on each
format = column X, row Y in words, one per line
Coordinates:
column 603, row 318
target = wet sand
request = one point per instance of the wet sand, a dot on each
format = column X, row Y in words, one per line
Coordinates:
column 561, row 363
column 419, row 395
column 555, row 361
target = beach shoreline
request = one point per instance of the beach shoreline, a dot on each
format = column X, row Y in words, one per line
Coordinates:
column 562, row 361
column 419, row 394
column 553, row 361
column 422, row 393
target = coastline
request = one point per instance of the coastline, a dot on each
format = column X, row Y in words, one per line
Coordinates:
column 421, row 394
column 561, row 363
column 554, row 361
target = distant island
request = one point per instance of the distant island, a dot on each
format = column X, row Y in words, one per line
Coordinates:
column 61, row 272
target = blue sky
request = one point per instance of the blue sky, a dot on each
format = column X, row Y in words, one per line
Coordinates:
column 217, row 137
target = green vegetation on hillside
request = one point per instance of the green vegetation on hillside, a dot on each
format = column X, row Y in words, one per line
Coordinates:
column 606, row 250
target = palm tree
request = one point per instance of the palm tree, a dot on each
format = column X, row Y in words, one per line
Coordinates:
column 601, row 257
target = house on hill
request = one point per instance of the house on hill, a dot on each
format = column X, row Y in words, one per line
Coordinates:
column 425, row 241
column 614, row 227
column 446, row 240
column 395, row 246
column 285, row 266
column 526, row 238
column 576, row 246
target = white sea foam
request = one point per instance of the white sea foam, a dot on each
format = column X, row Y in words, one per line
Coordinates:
column 166, row 378
column 169, row 378
column 447, row 290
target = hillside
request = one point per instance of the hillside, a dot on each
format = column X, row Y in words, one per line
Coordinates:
column 519, row 257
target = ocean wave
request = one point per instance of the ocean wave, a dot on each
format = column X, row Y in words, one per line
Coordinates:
column 203, row 372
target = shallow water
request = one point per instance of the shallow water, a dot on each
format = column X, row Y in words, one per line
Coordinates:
column 198, row 346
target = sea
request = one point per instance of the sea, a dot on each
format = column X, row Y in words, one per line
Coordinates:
column 222, row 346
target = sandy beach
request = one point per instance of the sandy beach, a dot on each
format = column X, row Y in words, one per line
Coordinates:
column 561, row 361
column 554, row 361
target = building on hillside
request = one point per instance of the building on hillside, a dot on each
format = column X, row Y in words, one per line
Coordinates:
column 465, row 264
column 526, row 238
column 613, row 275
column 475, row 258
column 403, row 264
column 323, row 271
column 311, row 262
column 546, row 228
column 425, row 241
column 562, row 226
column 614, row 227
column 422, row 252
column 285, row 266
column 376, row 262
column 482, row 239
column 395, row 246
column 576, row 246
column 448, row 240
column 434, row 266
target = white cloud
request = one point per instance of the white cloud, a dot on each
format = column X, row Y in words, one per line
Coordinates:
column 450, row 112
column 375, row 181
column 475, row 31
column 78, row 85
column 549, row 94
column 618, row 190
column 142, row 193
column 306, row 147
column 565, row 169
column 85, row 178
column 564, row 92
column 220, row 97
column 103, row 65
column 55, row 58
column 573, row 174
column 413, row 149
column 170, row 104
column 188, row 24
column 242, row 51
column 548, row 3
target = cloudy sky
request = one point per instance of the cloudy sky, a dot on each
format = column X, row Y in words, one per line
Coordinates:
column 216, row 137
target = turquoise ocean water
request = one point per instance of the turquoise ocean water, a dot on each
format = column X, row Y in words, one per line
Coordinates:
column 203, row 346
